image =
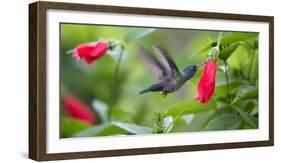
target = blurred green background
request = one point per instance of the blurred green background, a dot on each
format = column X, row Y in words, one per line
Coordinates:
column 95, row 84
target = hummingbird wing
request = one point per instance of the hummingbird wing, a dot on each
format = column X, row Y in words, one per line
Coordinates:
column 153, row 62
column 170, row 67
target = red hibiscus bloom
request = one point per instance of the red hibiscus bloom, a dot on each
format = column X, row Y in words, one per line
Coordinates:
column 78, row 110
column 206, row 86
column 90, row 52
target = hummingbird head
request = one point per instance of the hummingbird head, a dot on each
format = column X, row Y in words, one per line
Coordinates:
column 189, row 71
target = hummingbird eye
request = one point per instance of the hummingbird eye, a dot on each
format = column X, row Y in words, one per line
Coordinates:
column 193, row 68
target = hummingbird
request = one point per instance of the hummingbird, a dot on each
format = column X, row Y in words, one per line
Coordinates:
column 170, row 78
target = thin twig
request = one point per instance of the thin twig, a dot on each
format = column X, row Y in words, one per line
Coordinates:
column 116, row 73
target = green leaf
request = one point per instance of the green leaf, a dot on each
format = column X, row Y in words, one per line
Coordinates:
column 254, row 69
column 200, row 120
column 180, row 125
column 101, row 109
column 248, row 92
column 69, row 126
column 250, row 45
column 189, row 106
column 133, row 128
column 226, row 52
column 237, row 37
column 168, row 124
column 249, row 119
column 237, row 60
column 221, row 86
column 223, row 122
column 136, row 34
column 118, row 114
column 114, row 128
column 105, row 129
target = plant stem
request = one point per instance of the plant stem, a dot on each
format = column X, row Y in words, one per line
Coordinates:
column 118, row 66
column 225, row 67
column 214, row 52
column 116, row 73
column 219, row 39
column 175, row 119
column 227, row 79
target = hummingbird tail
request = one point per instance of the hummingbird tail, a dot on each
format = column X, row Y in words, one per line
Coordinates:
column 153, row 88
column 145, row 91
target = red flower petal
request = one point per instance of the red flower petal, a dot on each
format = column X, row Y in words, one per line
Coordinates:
column 90, row 52
column 77, row 109
column 207, row 83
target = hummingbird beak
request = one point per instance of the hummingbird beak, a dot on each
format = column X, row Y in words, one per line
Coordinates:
column 201, row 64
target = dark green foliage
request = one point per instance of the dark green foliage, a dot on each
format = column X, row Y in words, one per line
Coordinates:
column 114, row 128
column 223, row 122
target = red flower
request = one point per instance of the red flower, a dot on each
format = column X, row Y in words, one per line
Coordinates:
column 90, row 52
column 78, row 110
column 206, row 86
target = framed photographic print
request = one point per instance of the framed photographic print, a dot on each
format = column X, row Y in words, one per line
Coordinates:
column 111, row 81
